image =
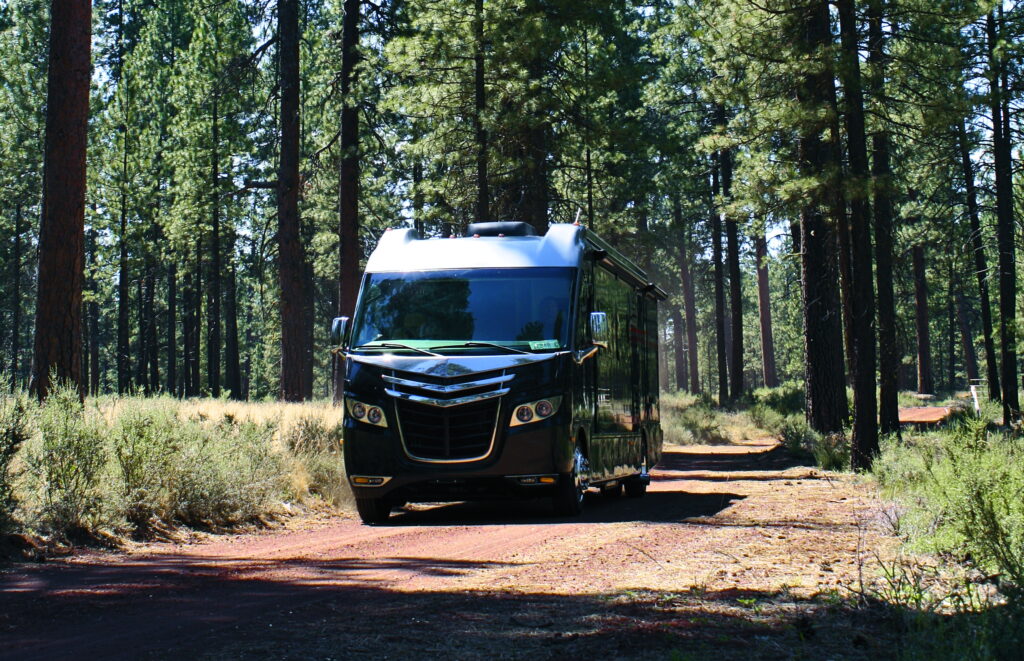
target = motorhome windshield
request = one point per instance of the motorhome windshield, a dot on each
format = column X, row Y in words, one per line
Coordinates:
column 480, row 310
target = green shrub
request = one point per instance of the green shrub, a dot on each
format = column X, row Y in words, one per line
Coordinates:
column 787, row 399
column 311, row 435
column 688, row 420
column 317, row 449
column 14, row 432
column 222, row 476
column 66, row 464
column 797, row 435
column 962, row 493
column 766, row 418
column 145, row 441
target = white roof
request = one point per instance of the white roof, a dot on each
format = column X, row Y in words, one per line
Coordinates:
column 400, row 250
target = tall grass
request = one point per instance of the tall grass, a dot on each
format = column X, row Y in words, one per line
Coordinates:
column 131, row 465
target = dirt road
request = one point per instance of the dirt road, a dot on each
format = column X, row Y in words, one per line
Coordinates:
column 736, row 552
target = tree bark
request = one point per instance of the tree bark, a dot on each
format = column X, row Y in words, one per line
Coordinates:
column 966, row 339
column 826, row 389
column 16, row 297
column 58, row 329
column 124, row 381
column 764, row 308
column 678, row 352
column 1005, row 233
column 291, row 256
column 480, row 104
column 149, row 318
column 732, row 258
column 348, row 187
column 925, row 381
column 862, row 299
column 213, row 336
column 93, row 322
column 980, row 266
column 882, row 185
column 716, row 254
column 232, row 363
column 172, row 329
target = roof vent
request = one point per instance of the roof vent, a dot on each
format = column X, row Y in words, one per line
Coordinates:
column 507, row 228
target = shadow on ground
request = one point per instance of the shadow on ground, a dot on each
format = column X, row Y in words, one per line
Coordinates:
column 208, row 615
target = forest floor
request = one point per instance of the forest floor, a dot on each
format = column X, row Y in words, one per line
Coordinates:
column 737, row 552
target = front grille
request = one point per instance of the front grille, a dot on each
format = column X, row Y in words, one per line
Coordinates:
column 456, row 433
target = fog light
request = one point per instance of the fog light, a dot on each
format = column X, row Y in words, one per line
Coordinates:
column 544, row 408
column 524, row 414
column 374, row 415
column 358, row 410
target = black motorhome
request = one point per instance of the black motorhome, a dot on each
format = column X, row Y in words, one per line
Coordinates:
column 499, row 364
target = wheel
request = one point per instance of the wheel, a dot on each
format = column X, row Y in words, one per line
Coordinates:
column 636, row 486
column 373, row 510
column 571, row 486
column 613, row 491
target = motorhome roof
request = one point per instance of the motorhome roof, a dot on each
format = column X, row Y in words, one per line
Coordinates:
column 403, row 250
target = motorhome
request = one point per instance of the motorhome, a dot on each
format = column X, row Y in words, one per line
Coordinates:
column 500, row 364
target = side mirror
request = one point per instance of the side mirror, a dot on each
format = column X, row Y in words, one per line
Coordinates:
column 339, row 329
column 599, row 331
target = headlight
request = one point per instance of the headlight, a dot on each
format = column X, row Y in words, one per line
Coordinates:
column 371, row 415
column 535, row 411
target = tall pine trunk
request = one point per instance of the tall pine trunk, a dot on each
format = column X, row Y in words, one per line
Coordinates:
column 480, row 104
column 232, row 362
column 966, row 338
column 1005, row 232
column 16, row 298
column 764, row 309
column 862, row 299
column 732, row 258
column 123, row 282
column 925, row 379
column 93, row 321
column 151, row 356
column 677, row 349
column 58, row 329
column 291, row 256
column 882, row 187
column 348, row 180
column 213, row 337
column 980, row 265
column 719, row 275
column 826, row 389
column 172, row 328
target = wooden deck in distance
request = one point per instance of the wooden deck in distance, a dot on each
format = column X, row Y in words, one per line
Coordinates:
column 924, row 415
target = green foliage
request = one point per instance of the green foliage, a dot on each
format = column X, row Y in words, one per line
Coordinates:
column 960, row 491
column 786, row 399
column 688, row 420
column 66, row 464
column 317, row 448
column 14, row 432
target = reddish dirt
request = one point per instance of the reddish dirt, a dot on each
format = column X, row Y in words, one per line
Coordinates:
column 736, row 551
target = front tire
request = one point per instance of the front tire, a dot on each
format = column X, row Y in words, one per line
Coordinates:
column 373, row 510
column 568, row 499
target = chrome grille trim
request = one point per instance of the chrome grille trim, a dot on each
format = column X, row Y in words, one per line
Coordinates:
column 457, row 387
column 445, row 403
column 460, row 460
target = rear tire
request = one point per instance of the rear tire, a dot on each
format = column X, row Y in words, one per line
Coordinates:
column 373, row 510
column 612, row 492
column 636, row 486
column 568, row 498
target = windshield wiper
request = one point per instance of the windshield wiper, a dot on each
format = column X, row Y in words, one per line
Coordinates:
column 481, row 344
column 396, row 345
